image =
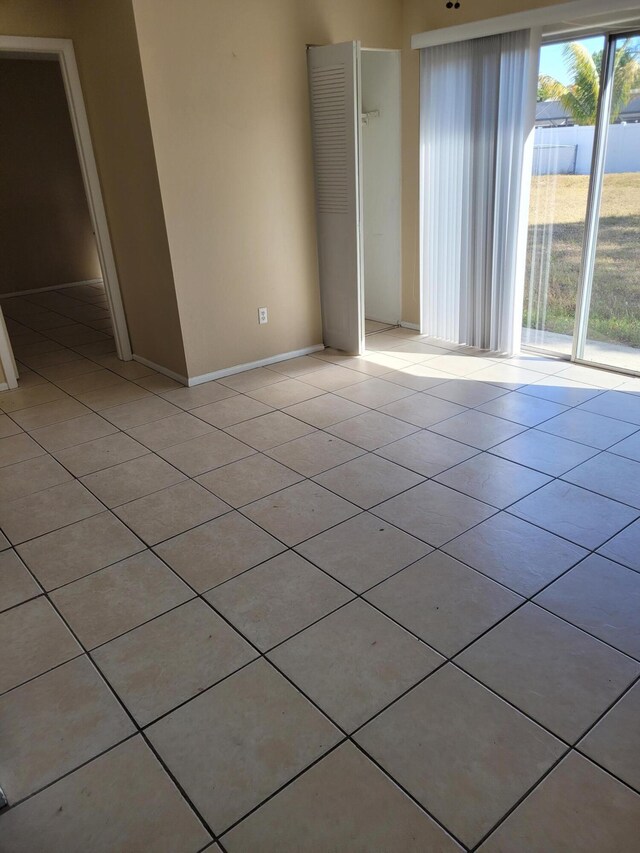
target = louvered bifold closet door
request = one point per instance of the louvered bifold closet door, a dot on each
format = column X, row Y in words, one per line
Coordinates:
column 334, row 85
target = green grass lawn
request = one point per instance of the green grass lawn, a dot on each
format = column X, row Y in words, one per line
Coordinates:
column 556, row 229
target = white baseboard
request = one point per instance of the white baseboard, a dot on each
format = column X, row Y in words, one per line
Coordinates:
column 382, row 322
column 53, row 287
column 406, row 325
column 227, row 371
column 4, row 386
column 251, row 365
column 165, row 370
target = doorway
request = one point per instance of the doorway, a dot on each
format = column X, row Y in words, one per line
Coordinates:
column 355, row 119
column 582, row 291
column 60, row 287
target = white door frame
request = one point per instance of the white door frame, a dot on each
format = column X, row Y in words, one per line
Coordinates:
column 27, row 47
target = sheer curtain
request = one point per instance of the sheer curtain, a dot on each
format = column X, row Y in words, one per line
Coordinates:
column 477, row 116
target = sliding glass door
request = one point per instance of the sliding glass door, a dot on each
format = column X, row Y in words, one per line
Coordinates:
column 612, row 296
column 562, row 153
column 582, row 291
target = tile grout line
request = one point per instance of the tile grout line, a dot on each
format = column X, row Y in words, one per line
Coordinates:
column 357, row 595
column 291, row 548
column 262, row 655
column 137, row 729
column 374, row 451
column 308, row 478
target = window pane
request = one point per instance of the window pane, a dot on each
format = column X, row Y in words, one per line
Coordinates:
column 565, row 118
column 613, row 332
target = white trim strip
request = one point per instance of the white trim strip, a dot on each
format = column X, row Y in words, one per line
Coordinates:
column 227, row 371
column 52, row 287
column 554, row 20
column 405, row 325
column 165, row 370
column 7, row 359
column 240, row 368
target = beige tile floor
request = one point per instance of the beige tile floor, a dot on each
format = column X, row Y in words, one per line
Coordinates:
column 386, row 603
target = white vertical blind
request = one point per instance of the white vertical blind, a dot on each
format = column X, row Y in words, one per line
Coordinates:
column 477, row 112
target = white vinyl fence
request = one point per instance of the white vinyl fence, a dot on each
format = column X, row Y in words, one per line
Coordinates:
column 567, row 150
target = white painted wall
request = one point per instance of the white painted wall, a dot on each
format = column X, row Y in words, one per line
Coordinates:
column 623, row 149
column 382, row 175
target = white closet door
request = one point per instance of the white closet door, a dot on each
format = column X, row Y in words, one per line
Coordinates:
column 334, row 84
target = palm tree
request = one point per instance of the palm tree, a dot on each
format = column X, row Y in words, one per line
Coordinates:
column 580, row 97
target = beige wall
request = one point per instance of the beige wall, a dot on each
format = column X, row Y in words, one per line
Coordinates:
column 103, row 32
column 199, row 116
column 420, row 16
column 226, row 83
column 46, row 238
